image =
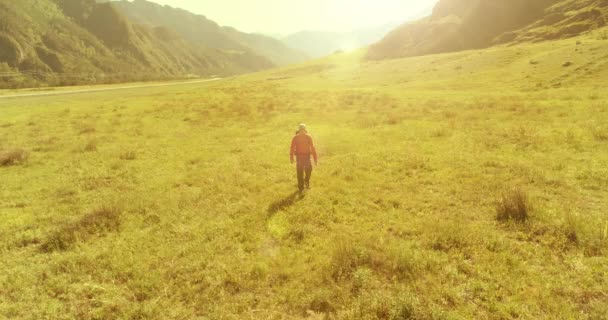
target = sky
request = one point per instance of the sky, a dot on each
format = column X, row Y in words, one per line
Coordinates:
column 288, row 16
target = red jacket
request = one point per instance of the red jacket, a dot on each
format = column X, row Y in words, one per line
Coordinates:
column 302, row 144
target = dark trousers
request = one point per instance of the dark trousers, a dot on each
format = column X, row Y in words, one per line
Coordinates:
column 304, row 170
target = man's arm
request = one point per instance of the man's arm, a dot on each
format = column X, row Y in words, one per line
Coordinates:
column 313, row 151
column 292, row 149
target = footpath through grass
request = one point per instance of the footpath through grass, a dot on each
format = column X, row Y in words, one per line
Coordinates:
column 469, row 195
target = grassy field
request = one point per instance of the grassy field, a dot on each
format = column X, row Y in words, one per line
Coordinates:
column 180, row 203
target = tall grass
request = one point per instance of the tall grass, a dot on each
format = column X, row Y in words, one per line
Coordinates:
column 513, row 206
column 401, row 222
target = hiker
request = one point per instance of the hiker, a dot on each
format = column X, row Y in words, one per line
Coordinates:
column 302, row 148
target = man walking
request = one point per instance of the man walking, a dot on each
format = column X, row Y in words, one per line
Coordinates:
column 302, row 148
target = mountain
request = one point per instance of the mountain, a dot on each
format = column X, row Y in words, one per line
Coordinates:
column 61, row 42
column 322, row 43
column 200, row 30
column 457, row 25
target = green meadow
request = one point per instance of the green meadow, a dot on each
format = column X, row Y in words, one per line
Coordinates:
column 469, row 185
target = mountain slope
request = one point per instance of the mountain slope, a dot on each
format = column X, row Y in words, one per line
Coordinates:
column 198, row 29
column 473, row 24
column 80, row 41
column 565, row 19
column 323, row 43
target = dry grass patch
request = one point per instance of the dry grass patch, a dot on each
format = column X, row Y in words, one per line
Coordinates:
column 346, row 258
column 91, row 146
column 13, row 157
column 388, row 261
column 128, row 155
column 98, row 222
column 87, row 130
column 513, row 206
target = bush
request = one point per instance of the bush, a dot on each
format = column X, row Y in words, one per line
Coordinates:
column 513, row 206
column 12, row 157
column 98, row 222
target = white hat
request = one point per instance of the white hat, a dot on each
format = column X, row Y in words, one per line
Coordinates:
column 302, row 127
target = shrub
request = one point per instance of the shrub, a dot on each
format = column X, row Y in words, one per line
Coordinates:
column 12, row 157
column 98, row 222
column 513, row 206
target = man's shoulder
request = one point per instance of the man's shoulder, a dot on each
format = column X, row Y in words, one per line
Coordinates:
column 302, row 137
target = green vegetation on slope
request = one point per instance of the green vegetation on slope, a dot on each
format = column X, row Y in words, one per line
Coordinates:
column 198, row 29
column 563, row 20
column 63, row 42
column 468, row 185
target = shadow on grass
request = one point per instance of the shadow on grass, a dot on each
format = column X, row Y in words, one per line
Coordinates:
column 285, row 203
